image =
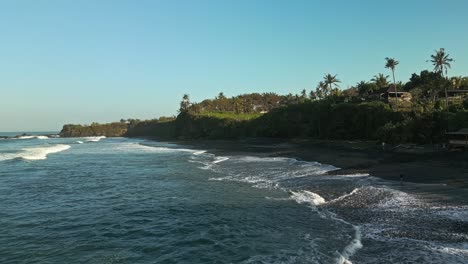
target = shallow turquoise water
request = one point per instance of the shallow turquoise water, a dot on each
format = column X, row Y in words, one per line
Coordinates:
column 99, row 200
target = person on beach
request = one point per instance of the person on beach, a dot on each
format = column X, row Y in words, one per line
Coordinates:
column 401, row 179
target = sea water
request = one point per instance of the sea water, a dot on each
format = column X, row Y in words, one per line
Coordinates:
column 118, row 200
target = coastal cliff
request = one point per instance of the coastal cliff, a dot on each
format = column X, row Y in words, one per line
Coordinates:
column 116, row 129
column 316, row 120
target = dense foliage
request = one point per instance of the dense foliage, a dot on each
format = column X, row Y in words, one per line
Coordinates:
column 116, row 129
column 245, row 103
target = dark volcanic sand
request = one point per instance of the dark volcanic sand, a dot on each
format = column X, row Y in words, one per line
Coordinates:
column 416, row 164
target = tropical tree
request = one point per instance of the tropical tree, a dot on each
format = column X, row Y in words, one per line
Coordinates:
column 312, row 95
column 441, row 62
column 380, row 80
column 319, row 91
column 365, row 88
column 391, row 64
column 184, row 104
column 330, row 82
column 322, row 89
column 303, row 95
column 221, row 96
column 426, row 84
column 350, row 94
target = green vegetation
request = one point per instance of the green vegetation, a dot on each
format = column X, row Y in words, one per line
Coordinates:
column 116, row 129
column 229, row 115
column 420, row 111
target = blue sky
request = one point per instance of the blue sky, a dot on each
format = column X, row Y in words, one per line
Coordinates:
column 82, row 61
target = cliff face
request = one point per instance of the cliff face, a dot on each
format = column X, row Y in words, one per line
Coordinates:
column 151, row 128
column 320, row 120
column 108, row 130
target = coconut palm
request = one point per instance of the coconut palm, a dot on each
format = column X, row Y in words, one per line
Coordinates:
column 441, row 62
column 380, row 80
column 391, row 64
column 322, row 89
column 303, row 95
column 331, row 81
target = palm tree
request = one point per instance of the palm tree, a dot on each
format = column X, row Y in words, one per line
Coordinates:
column 391, row 64
column 312, row 95
column 184, row 104
column 322, row 89
column 319, row 92
column 303, row 95
column 380, row 80
column 330, row 81
column 364, row 89
column 441, row 62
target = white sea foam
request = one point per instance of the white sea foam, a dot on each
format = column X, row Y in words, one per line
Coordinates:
column 316, row 200
column 307, row 197
column 344, row 196
column 148, row 148
column 199, row 152
column 460, row 250
column 37, row 153
column 456, row 213
column 8, row 156
column 263, row 159
column 42, row 152
column 352, row 247
column 26, row 137
column 376, row 197
column 220, row 159
column 79, row 142
column 369, row 194
column 94, row 139
column 355, row 175
column 30, row 137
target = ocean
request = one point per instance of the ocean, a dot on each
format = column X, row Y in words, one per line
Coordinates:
column 120, row 200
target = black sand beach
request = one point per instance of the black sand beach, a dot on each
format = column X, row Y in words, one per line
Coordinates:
column 419, row 164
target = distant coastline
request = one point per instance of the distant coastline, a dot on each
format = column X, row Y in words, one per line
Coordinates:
column 5, row 135
column 428, row 163
column 359, row 133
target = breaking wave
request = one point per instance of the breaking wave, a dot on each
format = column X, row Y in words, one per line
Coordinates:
column 220, row 159
column 370, row 211
column 307, row 197
column 37, row 153
column 158, row 149
column 94, row 139
column 375, row 210
column 281, row 173
column 29, row 137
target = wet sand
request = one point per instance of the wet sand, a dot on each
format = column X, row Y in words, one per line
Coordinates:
column 427, row 164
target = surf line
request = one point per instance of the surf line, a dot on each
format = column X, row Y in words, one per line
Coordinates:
column 315, row 200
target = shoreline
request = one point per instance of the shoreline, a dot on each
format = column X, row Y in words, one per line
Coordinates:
column 418, row 164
